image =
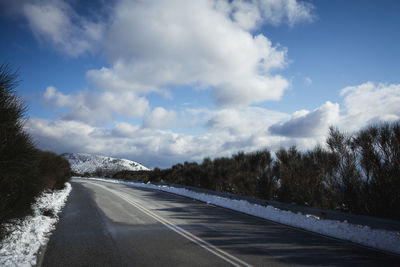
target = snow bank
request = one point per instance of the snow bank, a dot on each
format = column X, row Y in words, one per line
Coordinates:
column 21, row 246
column 380, row 239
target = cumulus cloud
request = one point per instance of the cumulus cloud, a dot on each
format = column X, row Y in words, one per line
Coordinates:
column 152, row 147
column 243, row 122
column 246, row 14
column 96, row 107
column 62, row 136
column 246, row 130
column 57, row 23
column 370, row 103
column 250, row 14
column 289, row 11
column 161, row 118
column 119, row 79
column 306, row 123
column 153, row 44
column 158, row 43
column 363, row 105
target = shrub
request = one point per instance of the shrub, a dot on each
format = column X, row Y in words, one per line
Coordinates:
column 53, row 170
column 293, row 176
column 378, row 150
column 17, row 153
column 143, row 176
column 358, row 173
column 348, row 179
column 24, row 170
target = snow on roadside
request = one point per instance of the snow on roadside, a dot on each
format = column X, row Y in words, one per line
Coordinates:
column 21, row 246
column 380, row 239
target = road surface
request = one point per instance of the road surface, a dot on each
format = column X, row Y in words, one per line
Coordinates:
column 105, row 224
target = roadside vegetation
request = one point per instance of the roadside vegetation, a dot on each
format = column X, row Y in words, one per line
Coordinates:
column 357, row 173
column 25, row 171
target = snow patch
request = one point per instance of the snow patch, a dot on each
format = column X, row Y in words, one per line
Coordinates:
column 20, row 248
column 81, row 163
column 364, row 235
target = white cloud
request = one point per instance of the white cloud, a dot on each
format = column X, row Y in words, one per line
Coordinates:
column 295, row 11
column 308, row 124
column 161, row 118
column 250, row 14
column 153, row 44
column 363, row 105
column 57, row 23
column 96, row 107
column 246, row 14
column 230, row 131
column 370, row 103
column 119, row 79
column 61, row 136
column 243, row 122
column 158, row 43
column 150, row 146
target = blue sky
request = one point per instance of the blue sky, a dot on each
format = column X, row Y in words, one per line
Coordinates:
column 162, row 82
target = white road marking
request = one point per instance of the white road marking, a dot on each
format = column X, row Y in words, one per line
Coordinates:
column 204, row 244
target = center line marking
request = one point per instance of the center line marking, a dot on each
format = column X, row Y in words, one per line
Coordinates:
column 202, row 243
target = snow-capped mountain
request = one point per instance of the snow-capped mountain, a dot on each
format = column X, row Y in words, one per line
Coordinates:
column 82, row 163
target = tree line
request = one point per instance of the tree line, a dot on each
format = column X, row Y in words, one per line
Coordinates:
column 25, row 171
column 357, row 173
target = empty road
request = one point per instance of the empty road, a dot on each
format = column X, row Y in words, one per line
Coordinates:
column 105, row 224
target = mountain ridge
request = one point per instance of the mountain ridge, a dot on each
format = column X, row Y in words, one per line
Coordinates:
column 90, row 163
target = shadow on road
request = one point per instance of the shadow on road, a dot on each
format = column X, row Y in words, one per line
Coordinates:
column 243, row 234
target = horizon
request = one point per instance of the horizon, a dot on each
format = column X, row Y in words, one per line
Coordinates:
column 160, row 82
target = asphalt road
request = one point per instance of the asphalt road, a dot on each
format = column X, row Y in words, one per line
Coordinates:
column 105, row 224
